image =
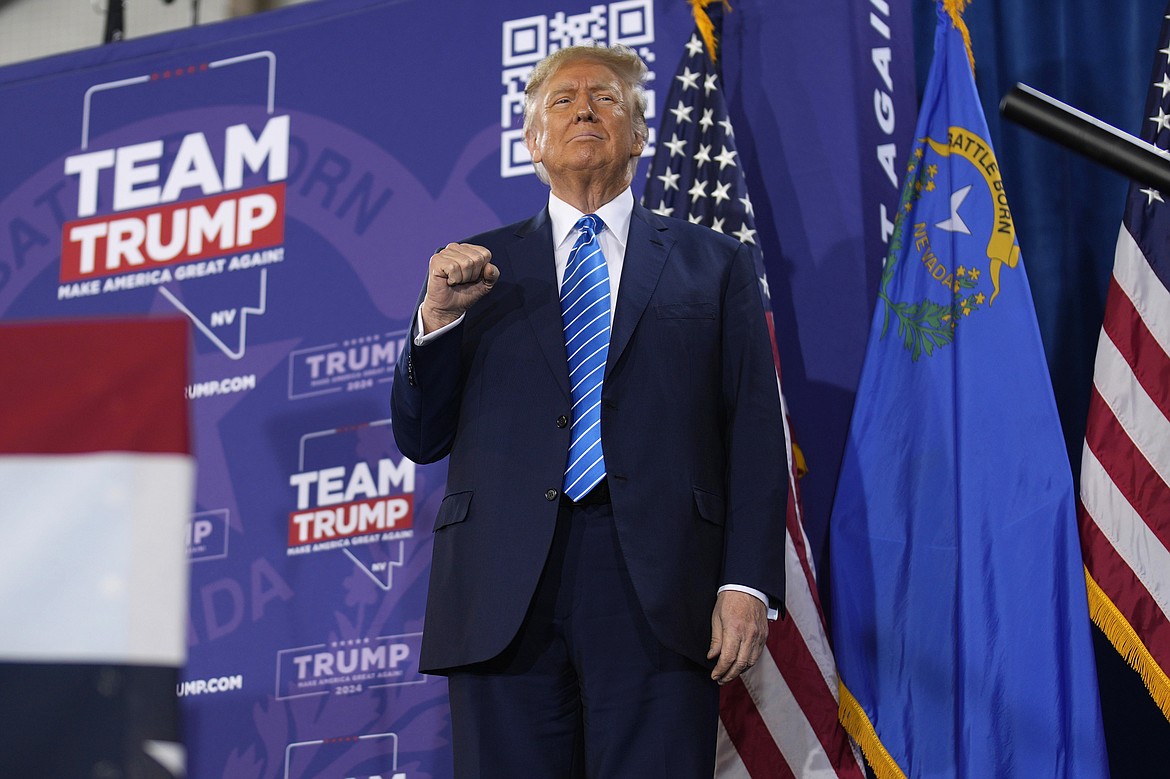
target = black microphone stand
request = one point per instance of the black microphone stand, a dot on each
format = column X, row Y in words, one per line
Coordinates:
column 1074, row 129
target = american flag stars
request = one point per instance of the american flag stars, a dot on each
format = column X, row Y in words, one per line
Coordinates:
column 720, row 192
column 701, row 179
column 698, row 190
column 746, row 235
column 1162, row 119
column 669, row 180
column 766, row 726
column 1164, row 84
column 688, row 79
column 1125, row 475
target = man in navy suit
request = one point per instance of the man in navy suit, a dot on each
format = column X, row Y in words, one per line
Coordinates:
column 587, row 634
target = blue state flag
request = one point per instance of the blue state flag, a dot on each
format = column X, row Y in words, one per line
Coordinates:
column 959, row 610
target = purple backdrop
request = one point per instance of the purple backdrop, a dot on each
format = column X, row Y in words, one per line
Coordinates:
column 347, row 139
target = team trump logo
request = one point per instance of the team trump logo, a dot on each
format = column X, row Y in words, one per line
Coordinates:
column 337, row 507
column 151, row 226
column 354, row 496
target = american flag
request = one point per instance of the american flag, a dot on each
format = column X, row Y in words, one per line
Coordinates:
column 1124, row 509
column 780, row 718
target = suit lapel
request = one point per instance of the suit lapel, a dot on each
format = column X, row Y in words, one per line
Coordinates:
column 530, row 264
column 532, row 267
column 646, row 250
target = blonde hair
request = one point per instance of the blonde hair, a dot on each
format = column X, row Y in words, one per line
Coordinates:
column 622, row 60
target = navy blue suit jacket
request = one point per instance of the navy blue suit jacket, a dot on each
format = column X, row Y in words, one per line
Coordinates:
column 691, row 428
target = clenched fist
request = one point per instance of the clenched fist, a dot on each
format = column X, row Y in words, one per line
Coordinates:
column 460, row 274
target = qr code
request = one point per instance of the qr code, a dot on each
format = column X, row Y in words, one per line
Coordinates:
column 530, row 39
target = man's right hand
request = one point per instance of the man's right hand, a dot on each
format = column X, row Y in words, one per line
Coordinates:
column 460, row 274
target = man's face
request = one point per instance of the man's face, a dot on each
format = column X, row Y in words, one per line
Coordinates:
column 583, row 124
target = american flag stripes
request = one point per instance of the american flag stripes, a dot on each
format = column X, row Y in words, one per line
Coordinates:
column 780, row 718
column 1124, row 510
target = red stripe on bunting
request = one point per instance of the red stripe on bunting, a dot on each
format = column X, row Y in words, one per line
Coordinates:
column 94, row 386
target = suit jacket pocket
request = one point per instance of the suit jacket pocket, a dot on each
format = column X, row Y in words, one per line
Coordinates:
column 686, row 310
column 710, row 506
column 453, row 510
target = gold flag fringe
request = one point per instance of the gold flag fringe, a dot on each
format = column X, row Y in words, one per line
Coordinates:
column 706, row 26
column 1128, row 644
column 955, row 8
column 856, row 723
column 798, row 458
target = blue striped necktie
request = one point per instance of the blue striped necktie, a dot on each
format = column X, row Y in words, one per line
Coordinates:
column 585, row 310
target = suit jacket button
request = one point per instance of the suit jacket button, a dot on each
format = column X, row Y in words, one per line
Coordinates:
column 562, row 421
column 551, row 495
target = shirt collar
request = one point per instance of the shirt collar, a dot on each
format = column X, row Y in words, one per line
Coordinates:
column 616, row 215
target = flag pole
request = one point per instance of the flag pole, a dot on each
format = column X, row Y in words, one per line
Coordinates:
column 115, row 28
column 1087, row 135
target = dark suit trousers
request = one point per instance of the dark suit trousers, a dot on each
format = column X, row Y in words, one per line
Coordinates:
column 585, row 690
